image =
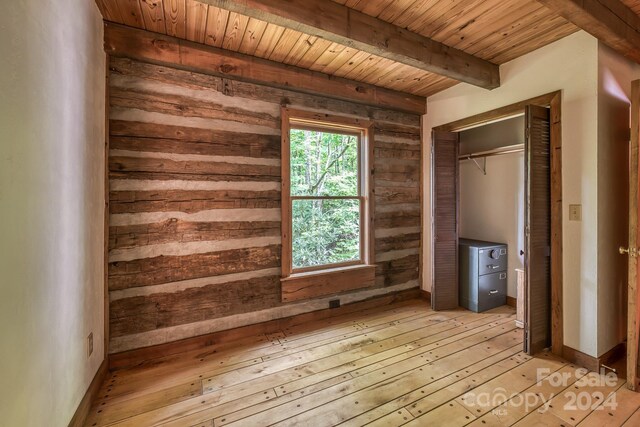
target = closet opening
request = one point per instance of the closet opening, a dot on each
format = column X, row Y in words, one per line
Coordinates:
column 491, row 241
column 497, row 216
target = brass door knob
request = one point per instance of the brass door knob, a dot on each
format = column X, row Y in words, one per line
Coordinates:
column 633, row 252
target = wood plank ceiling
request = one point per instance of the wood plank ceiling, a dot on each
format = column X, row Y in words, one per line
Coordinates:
column 633, row 5
column 494, row 30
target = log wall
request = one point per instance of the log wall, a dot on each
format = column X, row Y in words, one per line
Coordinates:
column 194, row 236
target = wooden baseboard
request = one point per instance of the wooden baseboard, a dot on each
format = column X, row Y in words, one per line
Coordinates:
column 512, row 302
column 579, row 358
column 90, row 396
column 141, row 355
column 425, row 295
column 614, row 355
column 593, row 363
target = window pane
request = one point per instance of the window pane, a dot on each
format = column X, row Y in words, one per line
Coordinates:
column 323, row 164
column 325, row 232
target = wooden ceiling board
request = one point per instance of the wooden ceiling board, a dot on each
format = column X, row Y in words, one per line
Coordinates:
column 393, row 10
column 318, row 47
column 175, row 17
column 494, row 30
column 413, row 13
column 633, row 5
column 526, row 28
column 299, row 48
column 500, row 21
column 196, row 21
column 327, row 56
column 216, row 26
column 378, row 74
column 346, row 55
column 153, row 15
column 269, row 40
column 525, row 48
column 252, row 36
column 284, row 46
column 465, row 21
column 131, row 13
column 236, row 27
column 362, row 69
column 405, row 80
column 472, row 21
column 109, row 10
column 438, row 84
column 440, row 16
column 524, row 41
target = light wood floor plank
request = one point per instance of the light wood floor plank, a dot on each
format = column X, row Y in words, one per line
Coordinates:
column 531, row 399
column 484, row 369
column 295, row 378
column 402, row 364
column 317, row 410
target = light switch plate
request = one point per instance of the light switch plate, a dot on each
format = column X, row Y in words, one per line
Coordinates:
column 575, row 212
column 90, row 344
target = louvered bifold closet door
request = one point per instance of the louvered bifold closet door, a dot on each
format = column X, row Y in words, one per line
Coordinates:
column 537, row 229
column 444, row 289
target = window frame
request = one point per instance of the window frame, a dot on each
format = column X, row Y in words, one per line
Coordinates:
column 363, row 129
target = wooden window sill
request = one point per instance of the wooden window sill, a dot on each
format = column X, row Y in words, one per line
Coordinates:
column 312, row 284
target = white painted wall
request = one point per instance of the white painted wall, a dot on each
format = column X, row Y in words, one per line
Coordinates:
column 492, row 206
column 615, row 74
column 570, row 65
column 51, row 207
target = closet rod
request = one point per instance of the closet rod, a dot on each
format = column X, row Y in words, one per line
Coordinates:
column 497, row 152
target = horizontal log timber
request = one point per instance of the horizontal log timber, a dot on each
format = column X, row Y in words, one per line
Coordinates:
column 190, row 201
column 251, row 172
column 186, row 140
column 165, row 50
column 195, row 202
column 174, row 230
column 611, row 21
column 349, row 27
column 398, row 219
column 402, row 241
column 187, row 107
column 393, row 195
column 241, row 91
column 192, row 305
column 306, row 286
column 252, row 331
column 164, row 269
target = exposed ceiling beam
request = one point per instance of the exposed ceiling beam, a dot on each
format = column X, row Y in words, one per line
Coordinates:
column 608, row 20
column 160, row 49
column 340, row 24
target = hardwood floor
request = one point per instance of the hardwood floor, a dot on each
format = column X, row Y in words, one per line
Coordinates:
column 401, row 364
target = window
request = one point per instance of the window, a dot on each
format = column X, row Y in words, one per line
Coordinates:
column 326, row 201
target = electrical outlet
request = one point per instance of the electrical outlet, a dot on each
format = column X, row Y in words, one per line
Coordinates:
column 90, row 344
column 334, row 303
column 575, row 212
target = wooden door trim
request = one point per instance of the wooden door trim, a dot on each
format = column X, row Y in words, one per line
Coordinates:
column 499, row 113
column 632, row 292
column 107, row 211
column 553, row 100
